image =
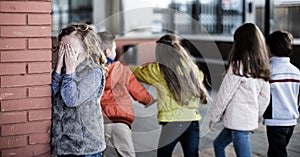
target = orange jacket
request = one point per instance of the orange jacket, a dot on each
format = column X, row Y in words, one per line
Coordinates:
column 120, row 85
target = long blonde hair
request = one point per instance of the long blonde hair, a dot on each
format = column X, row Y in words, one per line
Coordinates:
column 90, row 39
column 179, row 70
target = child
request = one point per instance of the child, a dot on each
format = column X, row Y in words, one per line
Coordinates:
column 282, row 112
column 180, row 89
column 244, row 92
column 77, row 85
column 116, row 103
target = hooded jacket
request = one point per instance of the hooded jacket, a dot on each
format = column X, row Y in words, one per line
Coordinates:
column 77, row 122
column 120, row 86
column 240, row 102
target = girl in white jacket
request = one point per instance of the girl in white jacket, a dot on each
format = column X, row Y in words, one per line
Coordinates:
column 244, row 93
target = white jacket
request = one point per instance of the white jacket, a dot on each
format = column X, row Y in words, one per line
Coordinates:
column 285, row 93
column 240, row 102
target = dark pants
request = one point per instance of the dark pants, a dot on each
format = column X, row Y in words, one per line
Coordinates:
column 187, row 133
column 278, row 138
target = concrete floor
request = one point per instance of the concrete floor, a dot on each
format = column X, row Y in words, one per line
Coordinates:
column 146, row 132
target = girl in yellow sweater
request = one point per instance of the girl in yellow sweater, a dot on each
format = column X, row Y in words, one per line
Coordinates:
column 179, row 92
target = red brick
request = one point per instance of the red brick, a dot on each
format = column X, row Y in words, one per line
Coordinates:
column 39, row 138
column 39, row 19
column 26, row 55
column 12, row 93
column 12, row 44
column 39, row 115
column 40, row 43
column 12, row 68
column 26, row 128
column 13, row 141
column 12, row 19
column 12, row 117
column 25, row 7
column 39, row 91
column 28, row 151
column 26, row 80
column 40, row 67
column 25, row 31
column 26, row 104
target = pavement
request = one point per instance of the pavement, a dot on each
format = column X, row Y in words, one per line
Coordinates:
column 146, row 133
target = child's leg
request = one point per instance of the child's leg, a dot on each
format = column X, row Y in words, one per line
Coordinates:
column 190, row 140
column 221, row 141
column 278, row 138
column 242, row 144
column 121, row 139
column 169, row 138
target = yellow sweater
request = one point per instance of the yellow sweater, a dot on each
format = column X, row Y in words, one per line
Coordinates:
column 169, row 110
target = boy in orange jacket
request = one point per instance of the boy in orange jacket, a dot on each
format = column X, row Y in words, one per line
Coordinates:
column 116, row 103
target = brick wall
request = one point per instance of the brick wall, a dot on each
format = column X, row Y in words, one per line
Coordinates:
column 25, row 66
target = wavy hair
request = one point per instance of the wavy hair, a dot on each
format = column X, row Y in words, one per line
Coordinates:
column 249, row 56
column 90, row 39
column 179, row 70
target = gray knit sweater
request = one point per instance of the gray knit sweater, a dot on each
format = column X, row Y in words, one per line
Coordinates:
column 77, row 122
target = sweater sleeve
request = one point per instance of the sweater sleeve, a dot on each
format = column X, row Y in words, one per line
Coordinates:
column 149, row 73
column 56, row 82
column 264, row 99
column 75, row 94
column 227, row 90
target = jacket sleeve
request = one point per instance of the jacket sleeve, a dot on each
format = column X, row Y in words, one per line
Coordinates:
column 138, row 91
column 264, row 98
column 149, row 73
column 75, row 94
column 56, row 82
column 227, row 90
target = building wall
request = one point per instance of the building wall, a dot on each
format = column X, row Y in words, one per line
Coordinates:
column 25, row 66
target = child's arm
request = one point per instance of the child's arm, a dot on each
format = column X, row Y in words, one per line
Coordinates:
column 138, row 91
column 264, row 99
column 227, row 90
column 75, row 94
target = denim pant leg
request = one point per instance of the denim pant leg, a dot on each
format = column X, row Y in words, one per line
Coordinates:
column 242, row 143
column 190, row 140
column 221, row 141
column 168, row 139
column 278, row 138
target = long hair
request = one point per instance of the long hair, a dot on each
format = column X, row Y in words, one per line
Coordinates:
column 249, row 56
column 91, row 42
column 179, row 70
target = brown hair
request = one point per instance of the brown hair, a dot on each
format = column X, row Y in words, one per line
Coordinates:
column 91, row 41
column 179, row 70
column 249, row 57
column 280, row 43
column 107, row 40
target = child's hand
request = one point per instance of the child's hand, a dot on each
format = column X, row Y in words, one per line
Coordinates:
column 60, row 59
column 211, row 126
column 70, row 59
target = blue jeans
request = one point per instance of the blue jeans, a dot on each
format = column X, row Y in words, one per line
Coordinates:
column 187, row 133
column 92, row 155
column 279, row 138
column 241, row 143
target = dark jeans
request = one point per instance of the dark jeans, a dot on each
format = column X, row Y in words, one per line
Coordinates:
column 278, row 138
column 187, row 133
column 92, row 155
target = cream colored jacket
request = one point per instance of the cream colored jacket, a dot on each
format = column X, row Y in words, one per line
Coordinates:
column 240, row 102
